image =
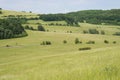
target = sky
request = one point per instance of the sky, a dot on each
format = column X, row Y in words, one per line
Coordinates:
column 58, row 6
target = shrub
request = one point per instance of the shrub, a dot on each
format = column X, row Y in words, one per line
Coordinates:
column 7, row 45
column 77, row 41
column 90, row 42
column 114, row 42
column 46, row 43
column 41, row 28
column 105, row 41
column 85, row 48
column 64, row 41
column 70, row 31
column 31, row 28
column 93, row 31
column 117, row 34
column 27, row 27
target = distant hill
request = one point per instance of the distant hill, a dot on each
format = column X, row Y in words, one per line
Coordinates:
column 90, row 16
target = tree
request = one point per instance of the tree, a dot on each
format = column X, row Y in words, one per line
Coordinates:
column 11, row 28
column 41, row 28
column 93, row 31
column 77, row 41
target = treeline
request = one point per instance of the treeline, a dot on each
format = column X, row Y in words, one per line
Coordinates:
column 90, row 16
column 60, row 17
column 11, row 28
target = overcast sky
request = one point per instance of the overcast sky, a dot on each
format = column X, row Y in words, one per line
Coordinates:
column 58, row 6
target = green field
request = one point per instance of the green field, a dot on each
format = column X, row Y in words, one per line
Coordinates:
column 26, row 59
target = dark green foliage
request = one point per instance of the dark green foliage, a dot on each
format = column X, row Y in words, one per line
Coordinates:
column 31, row 28
column 70, row 31
column 90, row 16
column 60, row 17
column 77, row 41
column 0, row 12
column 114, row 42
column 85, row 48
column 46, row 43
column 7, row 45
column 27, row 27
column 117, row 34
column 11, row 28
column 106, row 42
column 90, row 42
column 64, row 41
column 41, row 28
column 93, row 31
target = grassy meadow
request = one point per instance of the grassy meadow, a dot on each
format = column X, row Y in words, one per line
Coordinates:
column 27, row 59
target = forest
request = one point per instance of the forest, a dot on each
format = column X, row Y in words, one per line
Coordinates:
column 11, row 28
column 111, row 17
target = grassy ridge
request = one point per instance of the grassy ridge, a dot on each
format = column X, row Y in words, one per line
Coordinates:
column 30, row 60
column 26, row 59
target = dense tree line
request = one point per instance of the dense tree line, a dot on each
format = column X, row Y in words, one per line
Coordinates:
column 60, row 17
column 98, row 16
column 11, row 28
column 90, row 16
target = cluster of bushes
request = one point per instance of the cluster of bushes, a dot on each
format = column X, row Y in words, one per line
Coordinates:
column 60, row 17
column 11, row 28
column 90, row 42
column 29, row 28
column 94, row 31
column 85, row 48
column 107, row 42
column 39, row 28
column 46, row 43
column 77, row 41
column 69, row 31
column 56, row 24
column 117, row 34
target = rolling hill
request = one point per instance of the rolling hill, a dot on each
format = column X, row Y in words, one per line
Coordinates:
column 26, row 59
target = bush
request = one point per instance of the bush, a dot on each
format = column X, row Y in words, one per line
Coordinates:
column 46, row 43
column 114, row 42
column 7, row 45
column 105, row 41
column 70, row 31
column 117, row 34
column 77, row 41
column 41, row 28
column 85, row 48
column 64, row 41
column 93, row 31
column 27, row 27
column 90, row 42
